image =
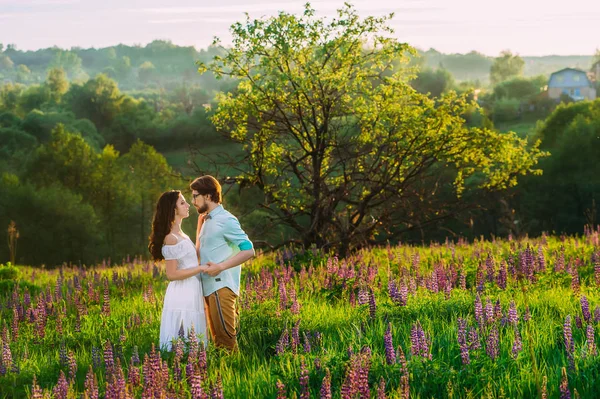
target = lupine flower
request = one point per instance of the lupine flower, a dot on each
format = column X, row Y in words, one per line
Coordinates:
column 490, row 268
column 502, row 275
column 489, row 311
column 363, row 296
column 527, row 315
column 390, row 354
column 597, row 273
column 304, row 389
column 326, row 386
column 62, row 355
column 106, row 300
column 306, row 343
column 296, row 336
column 541, row 259
column 72, row 366
column 96, row 357
column 381, row 389
column 135, row 357
column 195, row 385
column 513, row 315
column 6, row 356
column 134, row 375
column 597, row 314
column 578, row 322
column 474, row 342
column 517, row 343
column 575, row 286
column 545, row 388
column 569, row 344
column 564, row 386
column 61, row 389
column 585, row 309
column 283, row 342
column 281, row 394
column 591, row 342
column 462, row 341
column 419, row 342
column 109, row 360
column 36, row 391
column 217, row 390
column 478, row 310
column 492, row 343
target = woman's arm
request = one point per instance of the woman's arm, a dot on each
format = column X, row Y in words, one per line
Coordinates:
column 174, row 274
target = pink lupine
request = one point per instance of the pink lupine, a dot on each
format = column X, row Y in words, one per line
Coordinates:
column 61, row 389
column 304, row 388
column 281, row 393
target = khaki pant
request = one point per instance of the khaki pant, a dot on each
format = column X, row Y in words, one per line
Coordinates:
column 221, row 316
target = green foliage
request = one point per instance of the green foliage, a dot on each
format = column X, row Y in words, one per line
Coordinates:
column 506, row 109
column 505, row 67
column 566, row 196
column 338, row 153
column 433, row 82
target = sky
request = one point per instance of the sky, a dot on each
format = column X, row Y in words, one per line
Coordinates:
column 527, row 27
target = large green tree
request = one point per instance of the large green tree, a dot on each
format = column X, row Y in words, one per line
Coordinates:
column 338, row 145
column 507, row 66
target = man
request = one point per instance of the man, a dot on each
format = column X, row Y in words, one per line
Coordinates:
column 224, row 246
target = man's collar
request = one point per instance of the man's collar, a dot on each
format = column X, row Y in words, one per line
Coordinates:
column 215, row 212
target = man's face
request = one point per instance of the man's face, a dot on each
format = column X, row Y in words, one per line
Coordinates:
column 200, row 202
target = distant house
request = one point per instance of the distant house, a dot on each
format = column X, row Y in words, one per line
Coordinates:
column 572, row 82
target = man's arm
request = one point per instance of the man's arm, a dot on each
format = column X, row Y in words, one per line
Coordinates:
column 215, row 268
column 198, row 228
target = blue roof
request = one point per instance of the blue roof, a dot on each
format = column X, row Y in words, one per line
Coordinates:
column 569, row 78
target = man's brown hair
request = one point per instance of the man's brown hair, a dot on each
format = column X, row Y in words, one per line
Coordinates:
column 208, row 185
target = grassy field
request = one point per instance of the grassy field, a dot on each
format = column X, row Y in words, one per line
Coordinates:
column 512, row 319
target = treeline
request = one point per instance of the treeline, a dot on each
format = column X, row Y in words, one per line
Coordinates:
column 81, row 163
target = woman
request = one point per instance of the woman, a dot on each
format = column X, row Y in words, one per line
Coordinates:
column 184, row 302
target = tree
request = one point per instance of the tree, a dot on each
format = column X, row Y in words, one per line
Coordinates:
column 340, row 152
column 69, row 61
column 146, row 72
column 98, row 100
column 23, row 73
column 57, row 83
column 505, row 67
column 6, row 64
column 433, row 82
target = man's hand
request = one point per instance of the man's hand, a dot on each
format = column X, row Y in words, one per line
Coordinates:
column 203, row 268
column 213, row 269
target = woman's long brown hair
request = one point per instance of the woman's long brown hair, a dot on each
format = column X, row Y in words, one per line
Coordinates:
column 163, row 219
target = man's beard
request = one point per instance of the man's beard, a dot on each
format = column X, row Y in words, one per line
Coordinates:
column 202, row 209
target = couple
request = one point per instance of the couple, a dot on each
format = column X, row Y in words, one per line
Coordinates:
column 204, row 292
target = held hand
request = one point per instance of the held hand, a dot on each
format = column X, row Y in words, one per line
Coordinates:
column 213, row 269
column 203, row 268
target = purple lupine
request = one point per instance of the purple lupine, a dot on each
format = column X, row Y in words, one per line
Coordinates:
column 62, row 355
column 363, row 296
column 281, row 394
column 478, row 310
column 349, row 387
column 517, row 344
column 575, row 286
column 134, row 375
column 61, row 389
column 106, row 300
column 36, row 391
column 295, row 307
column 135, row 356
column 564, row 386
column 296, row 337
column 393, row 290
column 474, row 342
column 597, row 314
column 513, row 315
column 545, row 388
column 419, row 342
column 6, row 356
column 195, row 383
column 363, row 375
column 585, row 309
column 390, row 354
column 72, row 366
column 283, row 342
column 559, row 265
column 381, row 389
column 326, row 386
column 490, row 268
column 217, row 390
column 568, row 338
column 306, row 343
column 492, row 343
column 489, row 311
column 591, row 341
column 578, row 322
column 502, row 276
column 96, row 357
column 109, row 360
column 541, row 259
column 462, row 279
column 462, row 340
column 304, row 389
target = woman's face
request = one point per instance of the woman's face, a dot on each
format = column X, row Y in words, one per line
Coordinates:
column 183, row 208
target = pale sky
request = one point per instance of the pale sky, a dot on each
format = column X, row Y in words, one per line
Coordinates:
column 527, row 27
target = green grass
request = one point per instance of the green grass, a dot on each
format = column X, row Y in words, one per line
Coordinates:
column 325, row 307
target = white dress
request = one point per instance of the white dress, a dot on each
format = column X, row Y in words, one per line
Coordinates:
column 184, row 302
